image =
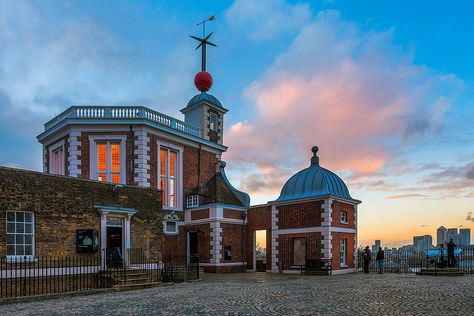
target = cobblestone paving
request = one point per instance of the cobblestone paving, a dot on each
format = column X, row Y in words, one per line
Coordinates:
column 267, row 294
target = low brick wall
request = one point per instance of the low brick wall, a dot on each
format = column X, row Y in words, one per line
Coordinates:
column 61, row 205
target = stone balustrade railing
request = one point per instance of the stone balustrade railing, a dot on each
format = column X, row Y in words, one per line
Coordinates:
column 123, row 112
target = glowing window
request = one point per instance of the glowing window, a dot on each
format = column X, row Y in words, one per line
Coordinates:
column 169, row 172
column 109, row 162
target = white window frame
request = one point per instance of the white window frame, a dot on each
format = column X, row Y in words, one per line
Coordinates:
column 178, row 176
column 93, row 140
column 19, row 257
column 171, row 218
column 192, row 200
column 344, row 217
column 215, row 129
column 343, row 252
column 51, row 150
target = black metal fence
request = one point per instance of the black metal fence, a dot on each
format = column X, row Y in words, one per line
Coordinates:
column 50, row 275
column 412, row 261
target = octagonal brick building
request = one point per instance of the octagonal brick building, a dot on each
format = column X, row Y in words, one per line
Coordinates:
column 314, row 220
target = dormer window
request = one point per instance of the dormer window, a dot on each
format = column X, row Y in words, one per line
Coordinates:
column 192, row 200
column 213, row 119
column 170, row 224
column 344, row 217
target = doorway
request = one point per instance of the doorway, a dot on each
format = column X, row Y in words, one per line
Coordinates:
column 193, row 247
column 114, row 242
column 299, row 251
column 260, row 251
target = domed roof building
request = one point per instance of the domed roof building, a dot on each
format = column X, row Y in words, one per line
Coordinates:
column 312, row 224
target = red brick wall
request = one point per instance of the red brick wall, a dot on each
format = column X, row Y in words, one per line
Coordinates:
column 204, row 240
column 337, row 208
column 232, row 236
column 259, row 218
column 85, row 153
column 300, row 215
column 234, row 214
column 190, row 164
column 336, row 262
column 200, row 214
column 285, row 248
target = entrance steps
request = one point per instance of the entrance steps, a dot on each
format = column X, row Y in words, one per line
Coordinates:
column 132, row 279
column 441, row 272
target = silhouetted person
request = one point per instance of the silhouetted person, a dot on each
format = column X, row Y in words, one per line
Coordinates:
column 366, row 257
column 380, row 259
column 451, row 260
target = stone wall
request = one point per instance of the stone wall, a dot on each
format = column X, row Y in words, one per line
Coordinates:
column 63, row 204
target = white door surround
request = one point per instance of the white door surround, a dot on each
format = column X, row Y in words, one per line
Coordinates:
column 124, row 213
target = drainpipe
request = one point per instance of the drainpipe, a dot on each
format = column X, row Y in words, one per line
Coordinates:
column 244, row 216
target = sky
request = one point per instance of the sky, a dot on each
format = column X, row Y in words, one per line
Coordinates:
column 385, row 89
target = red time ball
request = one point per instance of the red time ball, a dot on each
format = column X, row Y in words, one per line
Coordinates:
column 203, row 81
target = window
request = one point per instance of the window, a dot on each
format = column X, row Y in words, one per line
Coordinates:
column 192, row 200
column 343, row 251
column 170, row 224
column 343, row 217
column 108, row 162
column 169, row 165
column 56, row 158
column 20, row 234
column 213, row 118
column 227, row 253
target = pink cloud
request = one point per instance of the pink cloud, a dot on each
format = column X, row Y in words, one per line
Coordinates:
column 406, row 196
column 348, row 92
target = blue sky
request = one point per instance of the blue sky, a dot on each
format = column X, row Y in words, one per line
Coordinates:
column 384, row 89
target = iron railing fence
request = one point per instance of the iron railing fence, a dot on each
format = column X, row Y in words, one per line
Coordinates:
column 31, row 276
column 412, row 261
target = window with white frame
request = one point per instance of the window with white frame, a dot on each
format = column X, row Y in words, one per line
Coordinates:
column 192, row 200
column 20, row 234
column 343, row 217
column 56, row 158
column 343, row 251
column 108, row 158
column 170, row 224
column 170, row 175
column 213, row 119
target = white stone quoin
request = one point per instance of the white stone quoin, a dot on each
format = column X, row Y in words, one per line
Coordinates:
column 274, row 239
column 74, row 154
column 142, row 160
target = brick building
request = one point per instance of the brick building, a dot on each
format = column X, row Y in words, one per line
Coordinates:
column 136, row 160
column 314, row 219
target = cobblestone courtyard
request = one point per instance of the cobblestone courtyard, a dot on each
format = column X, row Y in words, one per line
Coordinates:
column 267, row 294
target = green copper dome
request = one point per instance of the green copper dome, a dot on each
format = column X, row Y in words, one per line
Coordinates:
column 312, row 182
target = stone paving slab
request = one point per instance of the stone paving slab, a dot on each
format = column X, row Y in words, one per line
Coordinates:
column 268, row 294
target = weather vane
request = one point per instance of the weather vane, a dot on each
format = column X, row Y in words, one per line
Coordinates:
column 204, row 41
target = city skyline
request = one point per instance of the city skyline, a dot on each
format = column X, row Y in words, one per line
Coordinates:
column 279, row 65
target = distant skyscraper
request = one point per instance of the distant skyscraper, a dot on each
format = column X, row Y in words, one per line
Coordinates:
column 465, row 236
column 453, row 234
column 376, row 245
column 441, row 235
column 422, row 242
